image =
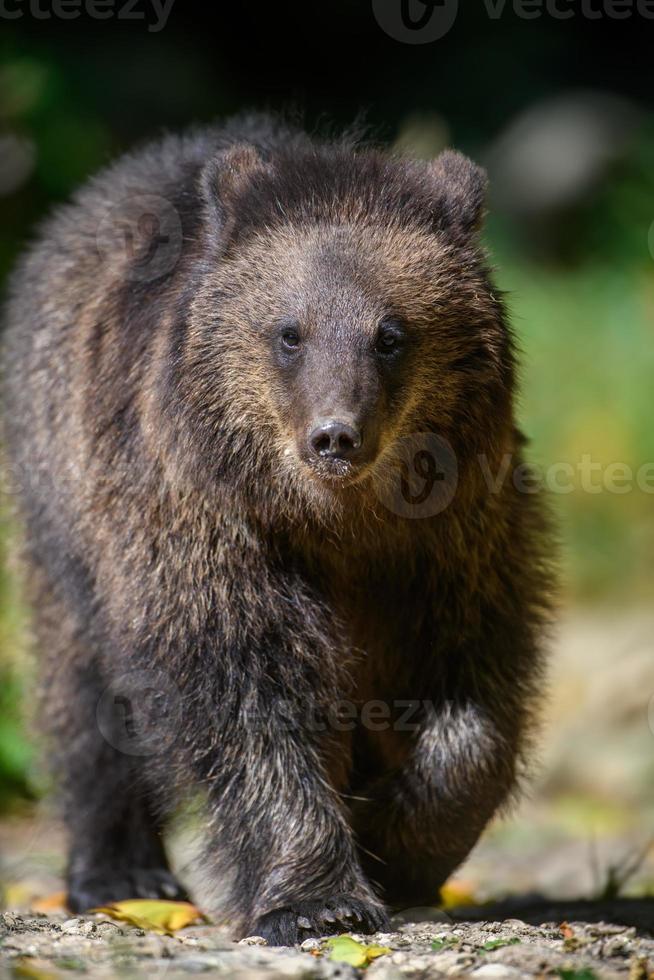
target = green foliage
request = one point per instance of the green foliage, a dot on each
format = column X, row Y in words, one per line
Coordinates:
column 585, row 404
column 445, row 942
column 498, row 943
column 15, row 752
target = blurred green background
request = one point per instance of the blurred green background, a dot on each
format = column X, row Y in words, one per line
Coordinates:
column 561, row 112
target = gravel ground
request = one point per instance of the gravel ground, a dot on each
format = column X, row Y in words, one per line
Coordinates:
column 41, row 947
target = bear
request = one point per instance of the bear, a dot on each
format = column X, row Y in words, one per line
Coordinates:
column 258, row 392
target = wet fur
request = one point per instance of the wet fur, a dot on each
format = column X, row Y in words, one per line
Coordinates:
column 170, row 525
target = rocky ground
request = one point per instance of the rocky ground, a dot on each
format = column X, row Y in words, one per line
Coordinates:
column 44, row 948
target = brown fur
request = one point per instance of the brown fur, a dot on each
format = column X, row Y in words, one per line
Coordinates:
column 175, row 523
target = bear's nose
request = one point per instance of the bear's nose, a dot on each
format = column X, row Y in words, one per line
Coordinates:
column 334, row 439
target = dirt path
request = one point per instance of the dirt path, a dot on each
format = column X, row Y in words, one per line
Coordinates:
column 41, row 948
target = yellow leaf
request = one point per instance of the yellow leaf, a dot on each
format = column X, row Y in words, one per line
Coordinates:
column 153, row 915
column 372, row 952
column 457, row 893
column 24, row 969
column 17, row 895
column 345, row 949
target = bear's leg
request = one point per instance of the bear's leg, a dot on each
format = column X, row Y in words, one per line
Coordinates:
column 116, row 849
column 283, row 831
column 278, row 834
column 416, row 825
column 115, row 846
column 125, row 859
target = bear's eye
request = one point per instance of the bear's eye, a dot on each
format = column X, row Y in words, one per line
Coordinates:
column 389, row 338
column 290, row 339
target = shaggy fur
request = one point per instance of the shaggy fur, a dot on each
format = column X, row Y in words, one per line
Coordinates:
column 176, row 523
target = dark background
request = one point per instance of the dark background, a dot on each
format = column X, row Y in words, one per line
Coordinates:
column 330, row 59
column 85, row 89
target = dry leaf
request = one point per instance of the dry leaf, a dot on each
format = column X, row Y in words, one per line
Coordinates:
column 154, row 915
column 27, row 968
column 456, row 894
column 18, row 894
column 51, row 903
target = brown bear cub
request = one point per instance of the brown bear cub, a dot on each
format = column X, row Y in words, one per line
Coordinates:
column 259, row 410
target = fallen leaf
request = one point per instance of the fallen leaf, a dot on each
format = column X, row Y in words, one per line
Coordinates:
column 566, row 930
column 51, row 903
column 639, row 969
column 18, row 894
column 70, row 963
column 372, row 952
column 154, row 915
column 456, row 894
column 28, row 969
column 345, row 949
column 583, row 974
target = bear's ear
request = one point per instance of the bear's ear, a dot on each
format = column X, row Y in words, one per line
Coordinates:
column 225, row 176
column 460, row 187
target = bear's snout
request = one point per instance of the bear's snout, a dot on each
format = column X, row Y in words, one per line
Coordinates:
column 335, row 439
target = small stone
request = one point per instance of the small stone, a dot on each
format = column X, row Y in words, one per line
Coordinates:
column 393, row 939
column 612, row 929
column 310, row 944
column 71, row 926
column 516, row 925
column 383, row 970
column 616, row 946
column 496, row 971
column 424, row 913
column 108, row 929
column 253, row 941
column 299, row 967
column 193, row 966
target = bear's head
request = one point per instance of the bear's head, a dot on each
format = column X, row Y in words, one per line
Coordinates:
column 344, row 304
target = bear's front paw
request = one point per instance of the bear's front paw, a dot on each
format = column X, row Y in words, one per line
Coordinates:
column 90, row 889
column 303, row 920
